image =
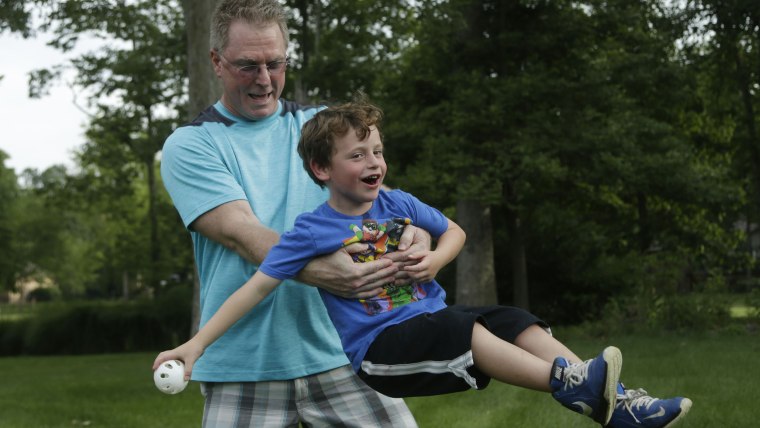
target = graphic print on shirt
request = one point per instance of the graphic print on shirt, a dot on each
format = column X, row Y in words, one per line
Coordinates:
column 383, row 238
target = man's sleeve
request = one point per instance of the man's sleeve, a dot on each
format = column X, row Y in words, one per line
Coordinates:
column 195, row 175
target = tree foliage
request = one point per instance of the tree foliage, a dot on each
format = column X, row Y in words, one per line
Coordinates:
column 596, row 151
column 566, row 119
column 10, row 262
column 136, row 94
column 340, row 47
column 138, row 86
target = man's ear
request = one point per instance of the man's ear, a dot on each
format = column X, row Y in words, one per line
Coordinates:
column 216, row 62
column 319, row 171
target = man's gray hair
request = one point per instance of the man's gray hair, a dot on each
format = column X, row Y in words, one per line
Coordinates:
column 255, row 12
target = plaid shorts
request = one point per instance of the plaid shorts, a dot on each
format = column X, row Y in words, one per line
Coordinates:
column 331, row 399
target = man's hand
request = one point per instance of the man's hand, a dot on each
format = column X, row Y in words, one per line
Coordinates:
column 338, row 274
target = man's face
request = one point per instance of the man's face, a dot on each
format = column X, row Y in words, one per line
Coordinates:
column 252, row 92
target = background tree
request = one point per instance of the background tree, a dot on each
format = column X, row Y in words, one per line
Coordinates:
column 10, row 264
column 565, row 120
column 142, row 71
column 340, row 47
column 465, row 86
column 598, row 153
column 203, row 90
column 136, row 85
column 57, row 237
column 15, row 16
column 203, row 86
column 723, row 44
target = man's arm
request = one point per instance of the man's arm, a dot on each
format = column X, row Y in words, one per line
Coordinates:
column 235, row 226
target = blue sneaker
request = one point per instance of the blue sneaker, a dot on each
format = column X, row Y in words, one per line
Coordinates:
column 634, row 408
column 590, row 387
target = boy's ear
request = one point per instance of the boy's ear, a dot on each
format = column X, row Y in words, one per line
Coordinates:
column 321, row 172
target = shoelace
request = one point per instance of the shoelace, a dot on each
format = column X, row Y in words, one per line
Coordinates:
column 575, row 374
column 634, row 398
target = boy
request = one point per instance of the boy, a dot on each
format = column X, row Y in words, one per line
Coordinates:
column 406, row 341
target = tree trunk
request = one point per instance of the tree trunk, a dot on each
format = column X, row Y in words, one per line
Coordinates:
column 155, row 243
column 745, row 88
column 518, row 260
column 645, row 234
column 310, row 12
column 125, row 285
column 204, row 89
column 517, row 256
column 304, row 41
column 476, row 279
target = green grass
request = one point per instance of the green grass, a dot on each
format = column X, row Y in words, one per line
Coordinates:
column 717, row 372
column 94, row 390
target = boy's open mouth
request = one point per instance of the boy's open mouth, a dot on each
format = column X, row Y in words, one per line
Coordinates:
column 371, row 179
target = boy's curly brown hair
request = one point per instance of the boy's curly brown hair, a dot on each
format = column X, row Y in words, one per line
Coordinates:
column 319, row 133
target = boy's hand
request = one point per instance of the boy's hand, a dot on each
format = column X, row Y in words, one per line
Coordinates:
column 413, row 240
column 426, row 267
column 188, row 353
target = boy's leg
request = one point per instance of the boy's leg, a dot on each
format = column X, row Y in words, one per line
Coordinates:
column 501, row 333
column 523, row 329
column 508, row 363
column 633, row 408
column 586, row 387
column 540, row 343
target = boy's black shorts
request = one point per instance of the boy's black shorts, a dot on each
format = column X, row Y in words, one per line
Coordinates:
column 431, row 354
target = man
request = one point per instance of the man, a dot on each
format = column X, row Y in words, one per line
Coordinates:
column 237, row 182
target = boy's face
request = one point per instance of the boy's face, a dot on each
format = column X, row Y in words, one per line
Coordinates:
column 356, row 171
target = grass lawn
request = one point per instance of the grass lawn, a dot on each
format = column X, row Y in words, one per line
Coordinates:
column 718, row 373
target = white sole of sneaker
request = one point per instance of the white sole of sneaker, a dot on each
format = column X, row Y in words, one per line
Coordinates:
column 614, row 359
column 685, row 407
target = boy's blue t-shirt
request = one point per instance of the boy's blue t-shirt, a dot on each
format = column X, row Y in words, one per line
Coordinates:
column 220, row 158
column 325, row 230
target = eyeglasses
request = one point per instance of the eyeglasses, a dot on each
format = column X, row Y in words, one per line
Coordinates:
column 251, row 69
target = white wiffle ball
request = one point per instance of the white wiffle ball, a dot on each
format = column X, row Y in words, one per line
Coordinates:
column 169, row 377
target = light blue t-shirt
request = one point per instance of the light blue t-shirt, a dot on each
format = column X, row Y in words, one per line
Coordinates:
column 221, row 158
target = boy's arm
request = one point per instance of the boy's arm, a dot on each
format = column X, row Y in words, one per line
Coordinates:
column 235, row 226
column 430, row 262
column 238, row 304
